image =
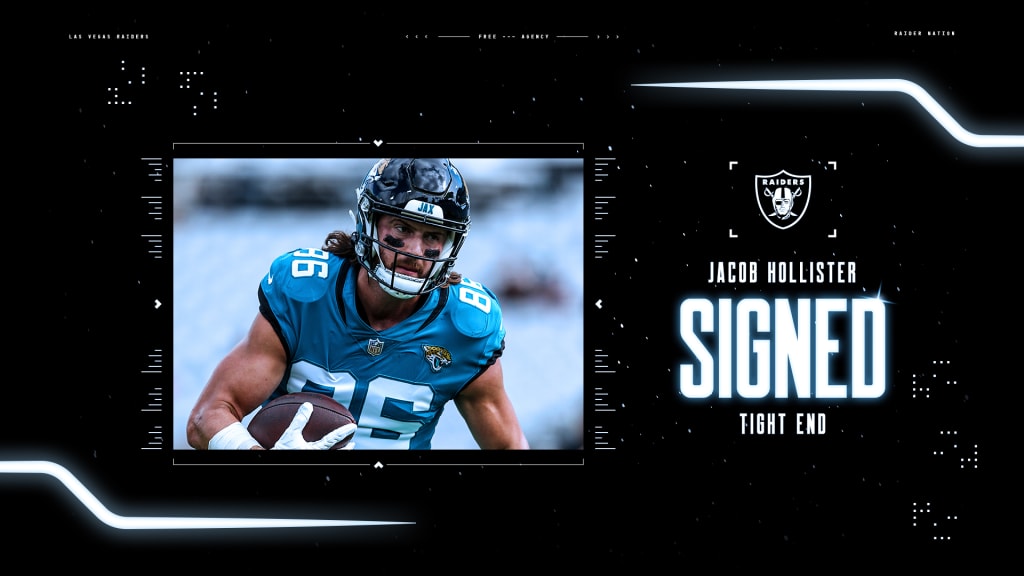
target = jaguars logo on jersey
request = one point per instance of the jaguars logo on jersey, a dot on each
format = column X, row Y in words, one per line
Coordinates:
column 436, row 356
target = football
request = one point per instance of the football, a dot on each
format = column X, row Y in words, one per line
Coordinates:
column 267, row 425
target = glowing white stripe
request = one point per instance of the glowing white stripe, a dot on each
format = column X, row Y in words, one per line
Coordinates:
column 164, row 523
column 869, row 85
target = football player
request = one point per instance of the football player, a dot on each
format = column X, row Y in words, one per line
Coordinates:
column 378, row 320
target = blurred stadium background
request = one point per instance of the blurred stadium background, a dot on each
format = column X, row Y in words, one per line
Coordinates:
column 232, row 217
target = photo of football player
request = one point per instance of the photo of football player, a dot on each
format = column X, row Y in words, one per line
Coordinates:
column 379, row 320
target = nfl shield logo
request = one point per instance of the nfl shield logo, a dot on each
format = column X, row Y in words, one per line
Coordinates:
column 782, row 197
column 375, row 346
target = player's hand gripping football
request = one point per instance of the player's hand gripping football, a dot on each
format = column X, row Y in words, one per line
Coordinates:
column 292, row 438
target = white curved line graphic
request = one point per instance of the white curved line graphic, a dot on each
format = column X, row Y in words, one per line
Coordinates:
column 907, row 87
column 166, row 522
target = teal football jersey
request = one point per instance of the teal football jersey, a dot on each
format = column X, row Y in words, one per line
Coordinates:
column 396, row 381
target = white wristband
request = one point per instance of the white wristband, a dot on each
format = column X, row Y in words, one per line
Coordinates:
column 233, row 437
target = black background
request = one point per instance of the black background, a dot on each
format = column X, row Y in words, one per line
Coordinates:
column 925, row 217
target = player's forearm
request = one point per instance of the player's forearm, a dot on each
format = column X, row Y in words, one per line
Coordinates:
column 515, row 442
column 504, row 442
column 498, row 434
column 205, row 424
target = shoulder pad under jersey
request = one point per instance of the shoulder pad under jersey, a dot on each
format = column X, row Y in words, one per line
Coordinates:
column 302, row 274
column 475, row 309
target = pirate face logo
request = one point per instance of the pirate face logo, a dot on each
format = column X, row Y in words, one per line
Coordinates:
column 782, row 197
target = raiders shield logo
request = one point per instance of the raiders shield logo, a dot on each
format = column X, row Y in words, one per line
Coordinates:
column 782, row 197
